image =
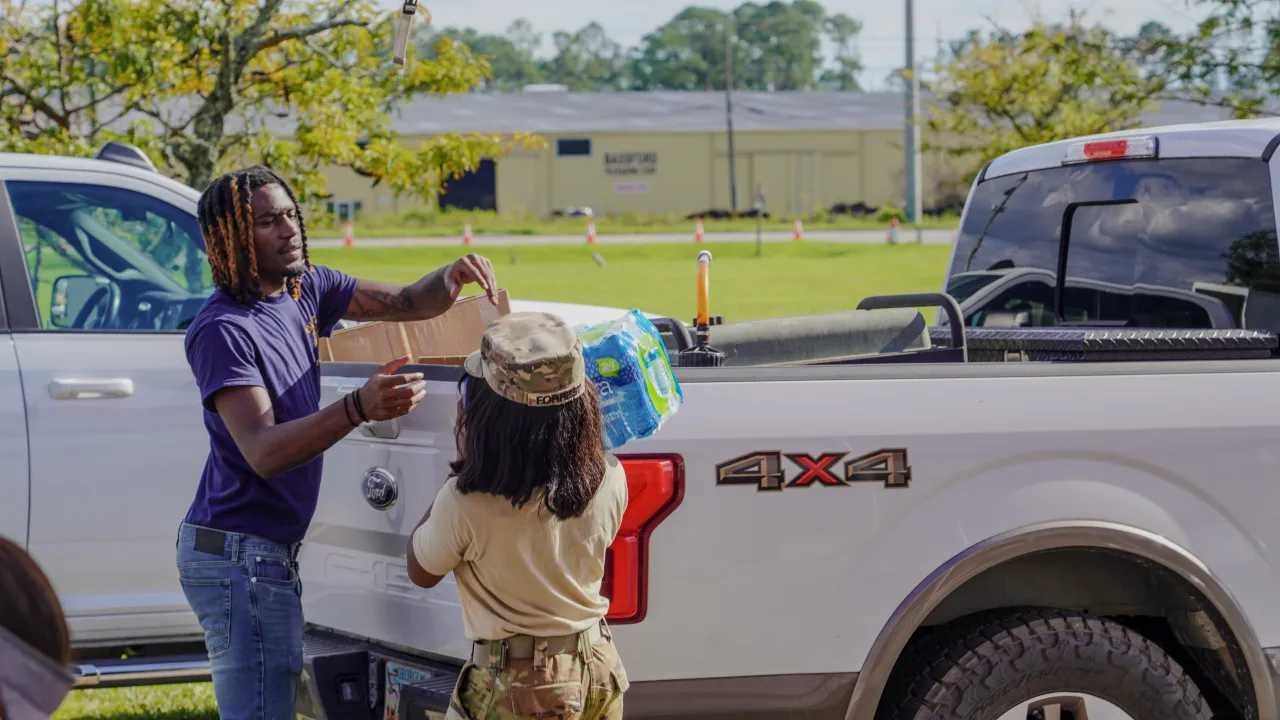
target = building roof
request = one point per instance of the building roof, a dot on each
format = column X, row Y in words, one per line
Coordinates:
column 570, row 112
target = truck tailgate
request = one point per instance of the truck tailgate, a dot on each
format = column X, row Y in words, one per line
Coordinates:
column 375, row 491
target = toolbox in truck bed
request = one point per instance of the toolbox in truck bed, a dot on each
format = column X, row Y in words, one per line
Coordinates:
column 1084, row 344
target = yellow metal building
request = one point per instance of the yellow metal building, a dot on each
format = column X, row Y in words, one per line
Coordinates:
column 668, row 153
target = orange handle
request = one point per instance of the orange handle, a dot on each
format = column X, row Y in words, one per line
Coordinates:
column 704, row 287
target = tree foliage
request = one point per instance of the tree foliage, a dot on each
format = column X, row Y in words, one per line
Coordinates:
column 1011, row 90
column 1231, row 59
column 777, row 46
column 202, row 87
column 511, row 62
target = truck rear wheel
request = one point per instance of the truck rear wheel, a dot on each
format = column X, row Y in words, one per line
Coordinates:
column 1039, row 665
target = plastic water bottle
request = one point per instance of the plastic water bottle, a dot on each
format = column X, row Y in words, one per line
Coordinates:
column 628, row 364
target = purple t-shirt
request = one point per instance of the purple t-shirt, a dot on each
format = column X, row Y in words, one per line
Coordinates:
column 274, row 343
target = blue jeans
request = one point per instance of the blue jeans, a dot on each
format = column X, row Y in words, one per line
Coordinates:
column 247, row 595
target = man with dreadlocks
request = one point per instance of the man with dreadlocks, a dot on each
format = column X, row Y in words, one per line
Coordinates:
column 253, row 349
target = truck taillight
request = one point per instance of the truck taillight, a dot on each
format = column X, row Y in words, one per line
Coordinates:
column 1117, row 149
column 655, row 485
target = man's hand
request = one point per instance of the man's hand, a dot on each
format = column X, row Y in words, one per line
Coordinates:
column 431, row 296
column 272, row 449
column 472, row 269
column 387, row 395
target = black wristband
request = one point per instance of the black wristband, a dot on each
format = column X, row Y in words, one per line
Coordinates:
column 346, row 408
column 360, row 407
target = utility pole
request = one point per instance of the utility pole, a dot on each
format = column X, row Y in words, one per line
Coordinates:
column 912, row 166
column 728, row 108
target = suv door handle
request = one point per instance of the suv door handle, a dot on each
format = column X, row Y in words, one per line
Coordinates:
column 76, row 389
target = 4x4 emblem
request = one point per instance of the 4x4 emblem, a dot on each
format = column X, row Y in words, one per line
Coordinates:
column 764, row 469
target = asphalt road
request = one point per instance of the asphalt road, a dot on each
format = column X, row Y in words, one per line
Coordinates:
column 929, row 237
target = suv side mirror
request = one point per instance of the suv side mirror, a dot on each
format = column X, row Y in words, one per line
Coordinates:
column 70, row 294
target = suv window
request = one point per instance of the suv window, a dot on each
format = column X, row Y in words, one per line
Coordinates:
column 104, row 258
column 1186, row 243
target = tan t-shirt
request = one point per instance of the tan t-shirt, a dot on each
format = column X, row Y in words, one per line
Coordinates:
column 523, row 571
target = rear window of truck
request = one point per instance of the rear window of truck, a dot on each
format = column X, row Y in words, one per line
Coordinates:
column 1171, row 243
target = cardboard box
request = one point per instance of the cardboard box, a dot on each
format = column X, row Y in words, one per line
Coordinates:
column 454, row 360
column 444, row 340
column 458, row 331
column 371, row 342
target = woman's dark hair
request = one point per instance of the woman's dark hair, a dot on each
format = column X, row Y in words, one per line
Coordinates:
column 513, row 450
column 29, row 606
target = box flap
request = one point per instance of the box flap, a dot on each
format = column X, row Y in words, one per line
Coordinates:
column 444, row 340
column 458, row 331
column 378, row 342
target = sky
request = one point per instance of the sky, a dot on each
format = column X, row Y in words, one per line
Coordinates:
column 881, row 44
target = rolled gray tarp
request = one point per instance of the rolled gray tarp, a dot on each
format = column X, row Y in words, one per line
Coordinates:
column 818, row 338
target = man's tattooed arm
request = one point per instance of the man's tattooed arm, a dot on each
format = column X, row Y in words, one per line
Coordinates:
column 374, row 300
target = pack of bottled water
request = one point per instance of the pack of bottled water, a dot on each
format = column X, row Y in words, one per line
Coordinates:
column 628, row 364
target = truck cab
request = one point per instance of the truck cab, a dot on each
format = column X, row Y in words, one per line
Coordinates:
column 1167, row 228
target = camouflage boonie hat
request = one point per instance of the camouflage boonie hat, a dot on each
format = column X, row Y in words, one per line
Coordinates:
column 531, row 358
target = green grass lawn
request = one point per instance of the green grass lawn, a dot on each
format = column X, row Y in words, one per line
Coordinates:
column 417, row 223
column 790, row 279
column 191, row 701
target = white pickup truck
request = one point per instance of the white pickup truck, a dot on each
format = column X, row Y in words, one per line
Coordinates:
column 1054, row 504
column 1057, row 503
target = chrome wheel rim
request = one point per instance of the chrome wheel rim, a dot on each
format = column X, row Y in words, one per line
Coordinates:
column 1066, row 706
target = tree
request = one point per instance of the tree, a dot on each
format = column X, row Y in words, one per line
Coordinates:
column 782, row 44
column 777, row 48
column 843, row 31
column 587, row 61
column 1149, row 47
column 687, row 53
column 510, row 58
column 1252, row 262
column 1231, row 59
column 522, row 35
column 203, row 86
column 1049, row 83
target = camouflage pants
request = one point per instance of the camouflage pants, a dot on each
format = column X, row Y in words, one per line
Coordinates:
column 587, row 684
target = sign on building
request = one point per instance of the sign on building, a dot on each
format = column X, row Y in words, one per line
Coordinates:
column 631, row 188
column 631, row 163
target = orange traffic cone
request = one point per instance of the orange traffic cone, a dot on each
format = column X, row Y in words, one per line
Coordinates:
column 591, row 232
column 466, row 234
column 698, row 232
column 350, row 239
column 799, row 233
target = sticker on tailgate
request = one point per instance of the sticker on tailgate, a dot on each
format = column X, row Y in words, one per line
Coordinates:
column 397, row 676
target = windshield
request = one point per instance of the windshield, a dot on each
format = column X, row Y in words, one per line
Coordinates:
column 1187, row 243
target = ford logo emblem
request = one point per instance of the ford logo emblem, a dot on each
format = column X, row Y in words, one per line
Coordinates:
column 380, row 489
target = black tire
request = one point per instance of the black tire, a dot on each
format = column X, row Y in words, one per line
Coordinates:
column 983, row 666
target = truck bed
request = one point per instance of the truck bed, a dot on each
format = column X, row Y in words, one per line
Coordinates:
column 766, row 587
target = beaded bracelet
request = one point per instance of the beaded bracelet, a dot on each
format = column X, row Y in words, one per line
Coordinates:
column 346, row 408
column 359, row 406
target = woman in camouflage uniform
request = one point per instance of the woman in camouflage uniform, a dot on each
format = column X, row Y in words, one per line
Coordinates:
column 523, row 523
